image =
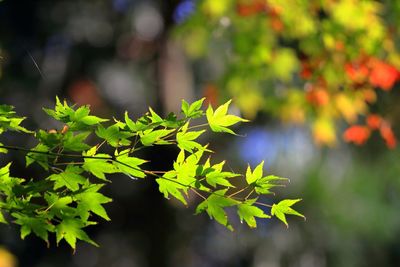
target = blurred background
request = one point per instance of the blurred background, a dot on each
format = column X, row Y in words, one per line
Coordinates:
column 317, row 78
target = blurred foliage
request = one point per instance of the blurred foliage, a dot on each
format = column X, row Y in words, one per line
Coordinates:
column 323, row 62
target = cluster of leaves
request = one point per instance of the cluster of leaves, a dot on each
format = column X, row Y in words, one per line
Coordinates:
column 321, row 62
column 77, row 162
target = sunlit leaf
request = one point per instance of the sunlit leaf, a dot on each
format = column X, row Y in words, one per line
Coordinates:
column 248, row 212
column 219, row 120
column 283, row 208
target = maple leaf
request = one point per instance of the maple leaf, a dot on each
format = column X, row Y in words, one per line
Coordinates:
column 214, row 205
column 248, row 212
column 71, row 229
column 219, row 120
column 283, row 208
column 186, row 139
column 70, row 178
column 193, row 110
column 90, row 201
column 168, row 185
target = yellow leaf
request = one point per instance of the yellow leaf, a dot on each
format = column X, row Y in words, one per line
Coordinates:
column 349, row 107
column 323, row 131
column 216, row 8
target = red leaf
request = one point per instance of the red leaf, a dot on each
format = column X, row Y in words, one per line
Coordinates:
column 357, row 134
column 356, row 72
column 383, row 75
column 388, row 135
column 374, row 121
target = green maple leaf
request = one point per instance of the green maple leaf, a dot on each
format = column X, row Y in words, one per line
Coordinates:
column 61, row 112
column 154, row 117
column 168, row 185
column 71, row 229
column 262, row 184
column 76, row 119
column 113, row 135
column 99, row 164
column 9, row 121
column 214, row 205
column 81, row 115
column 150, row 137
column 186, row 168
column 283, row 208
column 219, row 120
column 70, row 178
column 8, row 183
column 40, row 158
column 91, row 201
column 140, row 125
column 186, row 139
column 251, row 177
column 129, row 165
column 75, row 142
column 215, row 176
column 248, row 212
column 39, row 225
column 58, row 206
column 193, row 110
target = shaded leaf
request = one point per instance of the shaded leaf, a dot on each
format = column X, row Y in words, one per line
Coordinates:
column 39, row 225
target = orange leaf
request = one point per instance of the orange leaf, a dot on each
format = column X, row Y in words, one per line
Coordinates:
column 388, row 135
column 356, row 134
column 356, row 72
column 383, row 75
column 374, row 121
column 317, row 96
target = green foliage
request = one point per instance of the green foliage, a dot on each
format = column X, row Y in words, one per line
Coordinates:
column 219, row 120
column 247, row 211
column 283, row 208
column 77, row 162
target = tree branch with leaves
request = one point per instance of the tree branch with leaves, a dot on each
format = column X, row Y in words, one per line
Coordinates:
column 76, row 163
